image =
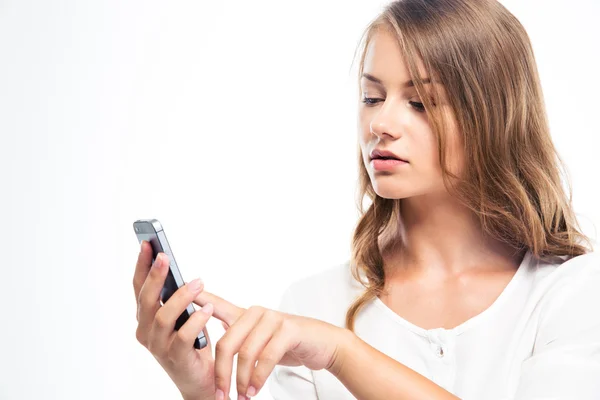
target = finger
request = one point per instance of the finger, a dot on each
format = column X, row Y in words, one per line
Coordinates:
column 224, row 310
column 253, row 347
column 225, row 326
column 230, row 344
column 273, row 352
column 184, row 339
column 163, row 326
column 149, row 297
column 142, row 267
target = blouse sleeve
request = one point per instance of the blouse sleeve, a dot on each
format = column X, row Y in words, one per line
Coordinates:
column 565, row 363
column 291, row 383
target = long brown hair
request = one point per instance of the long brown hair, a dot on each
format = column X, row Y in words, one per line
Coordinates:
column 481, row 54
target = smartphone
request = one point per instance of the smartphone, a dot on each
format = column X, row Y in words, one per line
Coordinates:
column 152, row 231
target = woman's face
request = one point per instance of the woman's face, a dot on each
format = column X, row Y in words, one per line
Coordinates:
column 393, row 119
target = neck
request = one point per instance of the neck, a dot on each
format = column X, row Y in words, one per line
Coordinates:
column 440, row 236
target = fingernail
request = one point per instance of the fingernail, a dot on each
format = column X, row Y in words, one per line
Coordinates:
column 207, row 309
column 220, row 395
column 195, row 285
column 157, row 261
column 242, row 397
column 251, row 391
column 141, row 246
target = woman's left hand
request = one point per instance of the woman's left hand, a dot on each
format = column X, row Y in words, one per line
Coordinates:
column 269, row 337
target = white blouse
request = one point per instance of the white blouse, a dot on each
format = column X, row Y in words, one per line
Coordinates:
column 540, row 339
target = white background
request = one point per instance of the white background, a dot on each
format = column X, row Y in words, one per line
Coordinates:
column 234, row 124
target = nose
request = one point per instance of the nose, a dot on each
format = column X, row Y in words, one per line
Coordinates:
column 380, row 130
column 388, row 122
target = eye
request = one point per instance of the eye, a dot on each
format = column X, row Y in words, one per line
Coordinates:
column 418, row 106
column 371, row 101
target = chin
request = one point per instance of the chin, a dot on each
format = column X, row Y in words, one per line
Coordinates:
column 389, row 191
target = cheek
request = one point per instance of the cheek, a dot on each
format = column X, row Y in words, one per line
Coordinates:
column 364, row 137
column 425, row 152
column 363, row 129
column 362, row 143
column 429, row 149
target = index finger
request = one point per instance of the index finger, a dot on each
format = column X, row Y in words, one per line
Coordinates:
column 142, row 267
column 223, row 310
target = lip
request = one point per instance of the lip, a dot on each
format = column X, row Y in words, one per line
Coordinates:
column 376, row 153
column 386, row 165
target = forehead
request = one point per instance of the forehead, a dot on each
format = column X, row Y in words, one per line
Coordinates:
column 383, row 59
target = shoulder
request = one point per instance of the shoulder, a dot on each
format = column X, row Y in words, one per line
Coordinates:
column 570, row 297
column 566, row 349
column 567, row 273
column 325, row 295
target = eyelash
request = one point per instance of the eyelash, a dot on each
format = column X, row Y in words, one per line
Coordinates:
column 419, row 107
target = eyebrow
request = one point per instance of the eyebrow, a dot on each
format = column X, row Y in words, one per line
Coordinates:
column 406, row 84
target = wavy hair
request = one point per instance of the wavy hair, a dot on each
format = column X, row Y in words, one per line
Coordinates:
column 481, row 54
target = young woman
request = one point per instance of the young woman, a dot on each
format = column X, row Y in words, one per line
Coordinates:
column 469, row 277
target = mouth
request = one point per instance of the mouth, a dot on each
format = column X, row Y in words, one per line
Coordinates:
column 387, row 164
column 385, row 155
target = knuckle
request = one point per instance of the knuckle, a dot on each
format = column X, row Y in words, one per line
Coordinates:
column 258, row 380
column 241, row 388
column 161, row 320
column 286, row 323
column 220, row 382
column 140, row 336
column 268, row 358
column 143, row 302
column 256, row 309
column 222, row 347
column 273, row 315
column 181, row 336
column 245, row 354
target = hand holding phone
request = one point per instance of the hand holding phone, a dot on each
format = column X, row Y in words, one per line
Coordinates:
column 164, row 303
column 152, row 231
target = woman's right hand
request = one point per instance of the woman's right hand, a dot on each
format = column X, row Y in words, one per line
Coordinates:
column 191, row 370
